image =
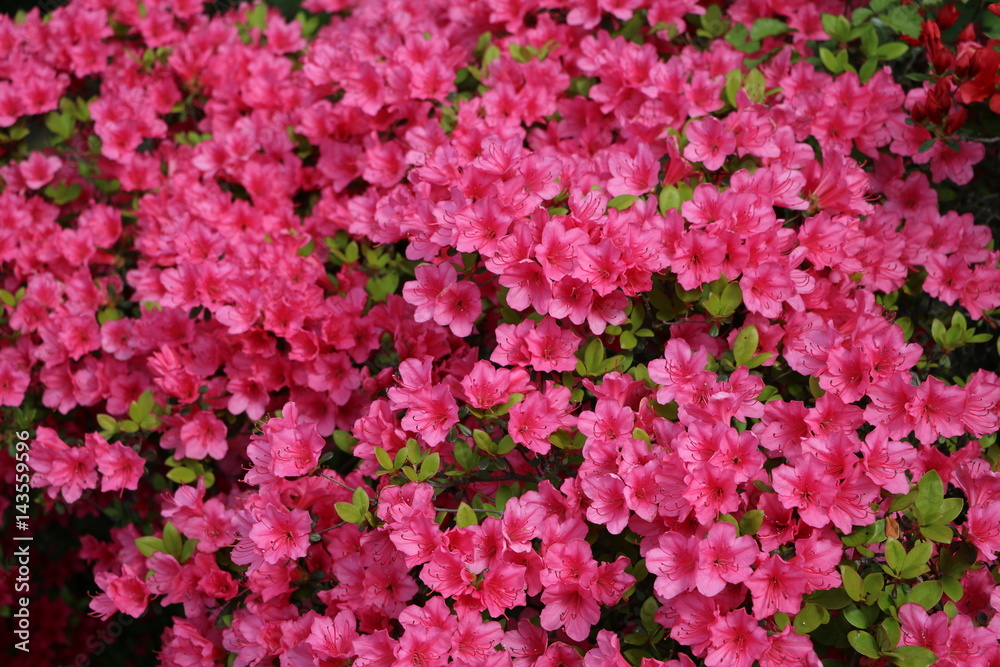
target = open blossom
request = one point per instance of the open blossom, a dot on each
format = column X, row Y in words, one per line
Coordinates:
column 126, row 593
column 723, row 558
column 341, row 252
column 282, row 534
column 710, row 143
column 807, row 487
column 120, row 467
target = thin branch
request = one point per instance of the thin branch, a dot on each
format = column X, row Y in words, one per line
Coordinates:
column 981, row 140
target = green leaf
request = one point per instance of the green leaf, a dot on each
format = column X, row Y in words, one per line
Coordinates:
column 360, row 499
column 863, row 643
column 902, row 501
column 622, row 202
column 745, row 345
column 430, row 466
column 669, row 199
column 491, row 53
column 413, row 453
column 348, row 512
column 732, row 297
column 952, row 587
column 834, row 598
column 593, row 355
column 938, row 533
column 833, row 27
column 148, row 546
column 809, row 618
column 504, row 408
column 647, row 615
column 60, row 123
column 384, row 459
column 852, row 582
column 867, row 70
column 926, row 594
column 930, row 496
column 172, row 541
column 628, row 340
column 888, row 634
column 767, row 27
column 464, row 455
column 182, row 475
column 915, row 562
column 506, row 445
column 872, row 585
column 895, row 555
column 107, row 423
column 904, row 19
column 484, row 441
column 188, row 550
column 466, row 516
column 755, row 85
column 892, row 51
column 860, row 617
column 869, row 41
column 829, row 60
column 734, row 79
column 751, row 522
column 257, row 17
column 912, row 656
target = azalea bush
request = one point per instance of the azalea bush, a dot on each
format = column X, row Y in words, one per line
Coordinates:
column 503, row 332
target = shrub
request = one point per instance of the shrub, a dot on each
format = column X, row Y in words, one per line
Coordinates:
column 618, row 332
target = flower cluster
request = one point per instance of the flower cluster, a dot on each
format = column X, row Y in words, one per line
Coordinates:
column 510, row 333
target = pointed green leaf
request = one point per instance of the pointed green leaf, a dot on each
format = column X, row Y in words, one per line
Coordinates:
column 148, row 546
column 172, row 542
column 915, row 562
column 466, row 516
column 348, row 512
column 930, row 496
column 895, row 554
column 182, row 475
column 852, row 582
column 188, row 550
column 622, row 202
column 938, row 533
column 384, row 459
column 746, row 345
column 751, row 522
column 863, row 643
column 430, row 466
column 912, row 656
column 926, row 594
column 360, row 499
column 809, row 618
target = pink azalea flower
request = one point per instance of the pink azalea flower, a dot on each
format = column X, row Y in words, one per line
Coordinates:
column 120, row 466
column 738, row 641
column 776, row 586
column 806, row 486
column 723, row 558
column 709, row 143
column 281, row 534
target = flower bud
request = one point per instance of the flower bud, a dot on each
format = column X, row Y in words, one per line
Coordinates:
column 947, row 16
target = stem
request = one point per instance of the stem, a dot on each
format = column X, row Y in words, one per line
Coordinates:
column 320, row 532
column 442, row 509
column 981, row 140
column 336, row 481
column 502, row 478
